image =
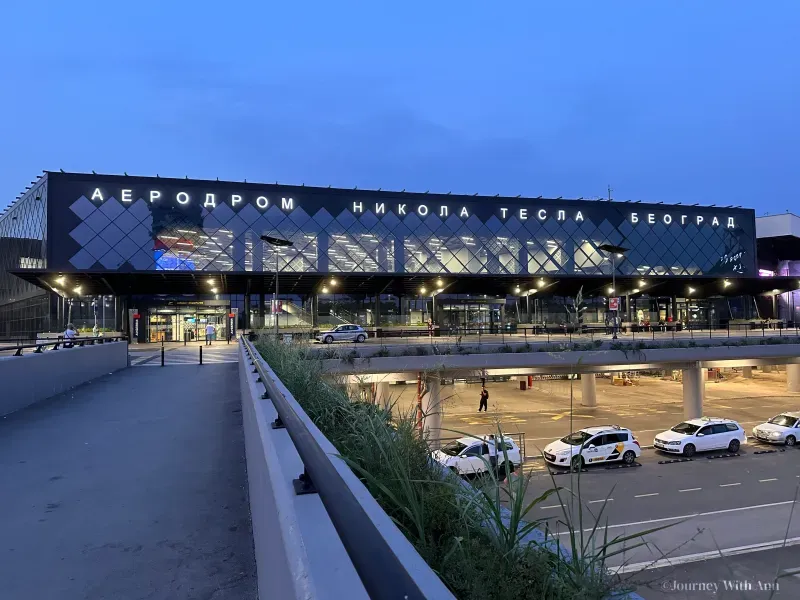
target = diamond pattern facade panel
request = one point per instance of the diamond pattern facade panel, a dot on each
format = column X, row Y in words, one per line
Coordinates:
column 210, row 226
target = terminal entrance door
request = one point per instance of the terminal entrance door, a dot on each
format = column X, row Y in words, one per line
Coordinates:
column 187, row 324
column 471, row 318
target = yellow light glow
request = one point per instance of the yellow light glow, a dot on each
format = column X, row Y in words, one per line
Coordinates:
column 422, row 290
column 324, row 290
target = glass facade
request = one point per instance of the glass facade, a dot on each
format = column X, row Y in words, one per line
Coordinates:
column 168, row 225
column 23, row 245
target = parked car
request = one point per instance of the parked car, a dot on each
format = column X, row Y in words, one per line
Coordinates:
column 700, row 435
column 780, row 429
column 604, row 443
column 470, row 456
column 343, row 333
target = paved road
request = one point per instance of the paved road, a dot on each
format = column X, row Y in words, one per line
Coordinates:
column 760, row 575
column 132, row 486
column 745, row 503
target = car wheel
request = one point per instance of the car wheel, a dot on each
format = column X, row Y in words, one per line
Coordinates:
column 577, row 463
column 733, row 446
column 328, row 339
column 629, row 457
column 360, row 339
column 790, row 440
column 689, row 450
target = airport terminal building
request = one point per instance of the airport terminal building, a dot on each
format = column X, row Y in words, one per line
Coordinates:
column 162, row 258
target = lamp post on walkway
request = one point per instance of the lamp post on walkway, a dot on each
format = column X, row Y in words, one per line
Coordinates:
column 618, row 252
column 276, row 243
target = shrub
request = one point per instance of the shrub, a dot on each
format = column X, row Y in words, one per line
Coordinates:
column 473, row 538
column 505, row 349
column 383, row 352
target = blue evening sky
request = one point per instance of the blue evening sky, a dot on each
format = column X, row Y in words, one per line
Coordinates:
column 674, row 101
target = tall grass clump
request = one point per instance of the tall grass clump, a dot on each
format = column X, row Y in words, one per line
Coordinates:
column 475, row 538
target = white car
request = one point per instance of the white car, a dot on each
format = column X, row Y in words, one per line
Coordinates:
column 470, row 456
column 604, row 443
column 700, row 435
column 343, row 333
column 781, row 429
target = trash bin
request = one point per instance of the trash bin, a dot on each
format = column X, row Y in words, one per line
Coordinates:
column 523, row 385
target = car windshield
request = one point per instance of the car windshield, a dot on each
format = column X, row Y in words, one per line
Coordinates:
column 783, row 421
column 453, row 448
column 577, row 438
column 686, row 428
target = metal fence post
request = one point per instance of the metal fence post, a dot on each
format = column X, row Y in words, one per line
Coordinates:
column 201, row 355
column 162, row 355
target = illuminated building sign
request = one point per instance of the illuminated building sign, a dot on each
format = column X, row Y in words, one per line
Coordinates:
column 210, row 200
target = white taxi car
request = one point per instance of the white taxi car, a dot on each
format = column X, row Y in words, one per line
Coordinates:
column 343, row 333
column 700, row 435
column 604, row 443
column 470, row 456
column 781, row 429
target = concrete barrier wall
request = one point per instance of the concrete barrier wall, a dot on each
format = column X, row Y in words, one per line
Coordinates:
column 298, row 553
column 27, row 379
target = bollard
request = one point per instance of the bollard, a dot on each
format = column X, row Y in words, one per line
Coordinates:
column 201, row 355
column 162, row 355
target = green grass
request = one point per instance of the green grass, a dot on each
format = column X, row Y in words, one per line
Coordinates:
column 471, row 536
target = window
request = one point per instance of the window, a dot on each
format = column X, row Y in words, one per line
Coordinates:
column 576, row 439
column 731, row 427
column 453, row 448
column 722, row 428
column 783, row 420
column 685, row 428
column 474, row 451
column 615, row 438
column 708, row 430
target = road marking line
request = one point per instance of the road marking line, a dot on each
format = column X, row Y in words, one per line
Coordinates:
column 728, row 484
column 765, row 480
column 646, row 495
column 690, row 490
column 683, row 517
column 605, row 500
column 547, row 507
column 700, row 556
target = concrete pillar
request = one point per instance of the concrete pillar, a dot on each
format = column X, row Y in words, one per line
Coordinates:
column 747, row 372
column 432, row 412
column 768, row 369
column 382, row 395
column 693, row 392
column 793, row 378
column 588, row 389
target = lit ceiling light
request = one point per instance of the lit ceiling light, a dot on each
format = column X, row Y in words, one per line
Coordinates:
column 61, row 280
column 324, row 290
column 610, row 290
column 213, row 290
column 635, row 290
column 422, row 290
column 210, row 282
column 619, row 255
column 726, row 283
column 776, row 291
column 333, row 281
column 516, row 290
column 642, row 282
column 691, row 290
column 540, row 283
column 439, row 282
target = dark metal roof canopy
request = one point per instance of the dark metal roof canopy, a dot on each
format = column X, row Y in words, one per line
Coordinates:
column 237, row 282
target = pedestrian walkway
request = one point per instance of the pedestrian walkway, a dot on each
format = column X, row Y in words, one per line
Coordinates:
column 184, row 355
column 131, row 486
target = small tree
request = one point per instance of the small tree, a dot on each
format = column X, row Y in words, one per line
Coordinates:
column 575, row 312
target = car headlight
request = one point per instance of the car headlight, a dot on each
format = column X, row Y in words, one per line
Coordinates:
column 562, row 452
column 674, row 443
column 775, row 434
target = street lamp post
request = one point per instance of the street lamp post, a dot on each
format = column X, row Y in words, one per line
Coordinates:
column 618, row 252
column 276, row 243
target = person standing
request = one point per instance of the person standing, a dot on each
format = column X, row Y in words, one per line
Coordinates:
column 484, row 399
column 209, row 334
column 492, row 453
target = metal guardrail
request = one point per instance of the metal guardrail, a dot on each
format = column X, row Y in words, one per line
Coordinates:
column 381, row 570
column 40, row 347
